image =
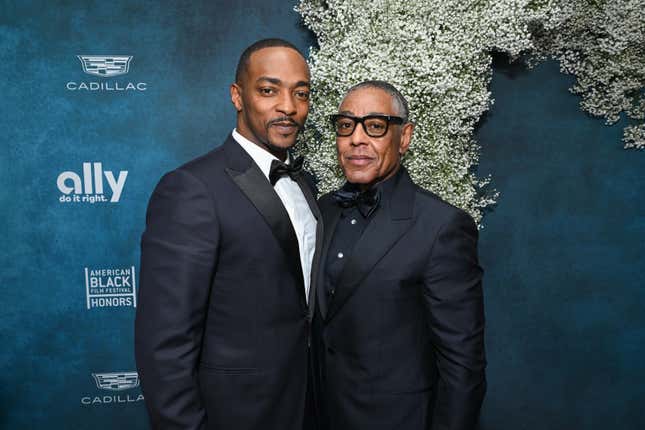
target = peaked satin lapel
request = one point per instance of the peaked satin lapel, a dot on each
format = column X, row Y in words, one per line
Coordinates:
column 313, row 206
column 250, row 179
column 389, row 224
column 330, row 220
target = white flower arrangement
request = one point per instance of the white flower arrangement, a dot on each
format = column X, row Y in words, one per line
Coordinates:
column 601, row 43
column 438, row 54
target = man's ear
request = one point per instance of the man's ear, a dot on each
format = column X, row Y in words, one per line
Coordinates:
column 406, row 137
column 236, row 97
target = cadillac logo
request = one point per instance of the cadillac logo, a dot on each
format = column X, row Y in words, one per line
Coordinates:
column 105, row 66
column 116, row 381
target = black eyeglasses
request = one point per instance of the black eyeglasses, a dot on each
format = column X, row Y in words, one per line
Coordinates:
column 374, row 125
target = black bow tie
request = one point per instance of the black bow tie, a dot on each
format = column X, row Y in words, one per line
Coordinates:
column 280, row 169
column 365, row 201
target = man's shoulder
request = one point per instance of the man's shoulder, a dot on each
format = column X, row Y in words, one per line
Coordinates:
column 205, row 168
column 211, row 161
column 432, row 205
column 202, row 172
column 326, row 199
column 429, row 200
column 310, row 179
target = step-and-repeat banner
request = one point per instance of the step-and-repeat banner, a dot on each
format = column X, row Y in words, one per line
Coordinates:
column 99, row 100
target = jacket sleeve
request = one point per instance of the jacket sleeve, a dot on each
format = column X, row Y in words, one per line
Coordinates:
column 178, row 258
column 454, row 300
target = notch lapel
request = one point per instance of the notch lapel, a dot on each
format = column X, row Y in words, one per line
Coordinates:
column 257, row 188
column 389, row 224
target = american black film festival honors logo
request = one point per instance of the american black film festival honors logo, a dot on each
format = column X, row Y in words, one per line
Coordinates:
column 106, row 66
column 116, row 383
column 89, row 187
column 106, row 288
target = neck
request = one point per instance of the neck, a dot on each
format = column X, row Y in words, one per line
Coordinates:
column 279, row 153
column 365, row 187
column 282, row 155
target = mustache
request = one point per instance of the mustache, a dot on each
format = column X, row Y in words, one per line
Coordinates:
column 351, row 154
column 284, row 119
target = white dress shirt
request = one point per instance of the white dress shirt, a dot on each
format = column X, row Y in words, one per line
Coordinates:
column 294, row 201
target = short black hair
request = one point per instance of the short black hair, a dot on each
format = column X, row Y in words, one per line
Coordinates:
column 399, row 100
column 243, row 63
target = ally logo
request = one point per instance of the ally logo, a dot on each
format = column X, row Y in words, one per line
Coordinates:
column 89, row 187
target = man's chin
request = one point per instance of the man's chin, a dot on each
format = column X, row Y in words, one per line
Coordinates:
column 283, row 142
column 359, row 177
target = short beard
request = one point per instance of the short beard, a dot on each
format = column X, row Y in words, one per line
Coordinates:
column 275, row 148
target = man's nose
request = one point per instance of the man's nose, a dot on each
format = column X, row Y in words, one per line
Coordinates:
column 287, row 104
column 359, row 136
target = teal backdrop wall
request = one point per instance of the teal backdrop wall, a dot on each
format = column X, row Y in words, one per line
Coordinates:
column 562, row 250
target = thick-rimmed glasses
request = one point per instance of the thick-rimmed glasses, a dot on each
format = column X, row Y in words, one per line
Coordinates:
column 374, row 125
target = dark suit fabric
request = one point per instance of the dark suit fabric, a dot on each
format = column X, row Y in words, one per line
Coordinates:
column 399, row 338
column 222, row 327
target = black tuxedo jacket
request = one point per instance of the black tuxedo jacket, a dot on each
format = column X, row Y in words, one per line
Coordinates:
column 400, row 342
column 222, row 324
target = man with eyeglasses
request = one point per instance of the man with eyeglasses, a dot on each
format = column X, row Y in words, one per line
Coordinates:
column 399, row 324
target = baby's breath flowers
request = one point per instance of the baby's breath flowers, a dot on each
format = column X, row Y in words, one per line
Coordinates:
column 601, row 43
column 438, row 54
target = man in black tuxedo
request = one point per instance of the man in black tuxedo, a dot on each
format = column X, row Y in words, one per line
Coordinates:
column 399, row 323
column 222, row 329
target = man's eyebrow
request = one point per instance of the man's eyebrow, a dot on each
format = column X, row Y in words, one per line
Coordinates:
column 350, row 113
column 276, row 81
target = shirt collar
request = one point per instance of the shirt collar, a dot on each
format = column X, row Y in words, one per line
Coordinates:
column 262, row 157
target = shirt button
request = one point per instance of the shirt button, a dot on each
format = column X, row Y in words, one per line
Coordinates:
column 353, row 221
column 341, row 255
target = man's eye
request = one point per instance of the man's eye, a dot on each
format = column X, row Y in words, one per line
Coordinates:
column 267, row 91
column 344, row 124
column 376, row 126
column 303, row 95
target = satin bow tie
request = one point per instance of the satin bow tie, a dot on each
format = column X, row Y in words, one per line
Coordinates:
column 365, row 201
column 280, row 169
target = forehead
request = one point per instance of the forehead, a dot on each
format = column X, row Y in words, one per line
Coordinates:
column 369, row 100
column 278, row 62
